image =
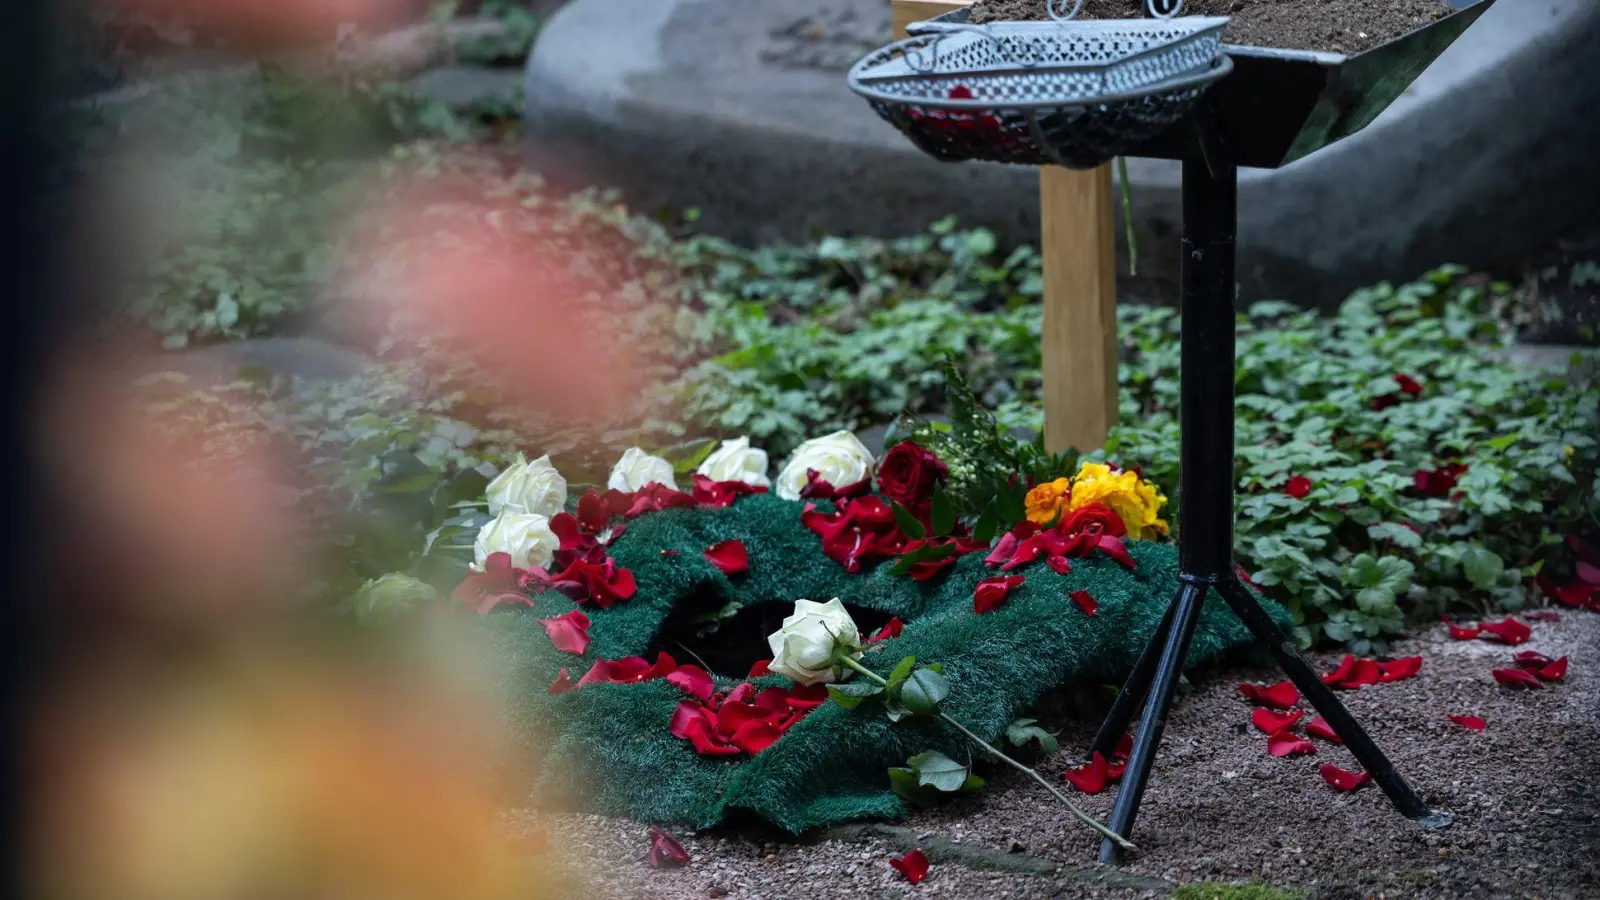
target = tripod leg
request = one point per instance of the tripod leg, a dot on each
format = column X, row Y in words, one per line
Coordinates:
column 1186, row 614
column 1133, row 692
column 1322, row 698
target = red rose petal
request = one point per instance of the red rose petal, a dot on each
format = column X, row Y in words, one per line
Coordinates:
column 665, row 850
column 707, row 742
column 1508, row 630
column 1555, row 671
column 991, row 592
column 1085, row 602
column 1399, row 669
column 756, row 736
column 684, row 716
column 1298, row 487
column 1319, row 727
column 561, row 685
column 914, row 866
column 729, row 556
column 1344, row 781
column 692, row 680
column 1116, row 549
column 1091, row 777
column 570, row 632
column 1516, row 678
column 1060, row 564
column 1353, row 673
column 1269, row 722
column 1462, row 632
column 1285, row 744
column 891, row 629
column 760, row 668
column 1278, row 696
column 1473, row 722
column 1531, row 659
column 1124, row 747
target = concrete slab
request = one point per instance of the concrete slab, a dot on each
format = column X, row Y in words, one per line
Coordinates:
column 739, row 108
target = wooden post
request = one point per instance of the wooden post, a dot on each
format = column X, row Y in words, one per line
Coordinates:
column 1077, row 241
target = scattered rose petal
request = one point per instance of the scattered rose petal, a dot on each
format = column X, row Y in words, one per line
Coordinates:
column 1124, row 747
column 1473, row 722
column 891, row 629
column 1353, row 673
column 760, row 668
column 1060, row 564
column 1508, row 630
column 561, row 685
column 1269, row 722
column 1542, row 615
column 1555, row 671
column 1516, row 678
column 1085, row 602
column 1531, row 659
column 1091, row 777
column 1298, row 487
column 1462, row 632
column 570, row 632
column 1399, row 669
column 991, row 592
column 1279, row 696
column 1319, row 727
column 1342, row 780
column 692, row 680
column 914, row 866
column 665, row 850
column 1285, row 744
column 729, row 556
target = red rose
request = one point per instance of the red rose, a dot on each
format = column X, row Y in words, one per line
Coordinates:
column 908, row 474
column 1096, row 518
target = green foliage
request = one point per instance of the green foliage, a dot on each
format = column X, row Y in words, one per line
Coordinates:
column 1026, row 730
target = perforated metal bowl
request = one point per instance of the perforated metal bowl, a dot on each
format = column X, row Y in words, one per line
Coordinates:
column 1037, row 93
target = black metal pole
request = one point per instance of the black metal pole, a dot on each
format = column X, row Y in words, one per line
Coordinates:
column 1387, row 777
column 1134, row 690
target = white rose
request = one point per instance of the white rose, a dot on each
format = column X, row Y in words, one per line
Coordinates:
column 736, row 460
column 526, row 536
column 636, row 469
column 839, row 459
column 803, row 649
column 530, row 487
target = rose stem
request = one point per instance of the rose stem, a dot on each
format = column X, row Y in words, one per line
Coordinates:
column 1032, row 773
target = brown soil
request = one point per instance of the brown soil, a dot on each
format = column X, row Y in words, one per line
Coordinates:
column 1523, row 793
column 1332, row 26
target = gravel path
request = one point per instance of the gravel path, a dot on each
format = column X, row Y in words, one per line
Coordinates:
column 1523, row 793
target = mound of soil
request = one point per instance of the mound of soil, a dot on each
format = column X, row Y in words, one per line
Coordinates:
column 1332, row 26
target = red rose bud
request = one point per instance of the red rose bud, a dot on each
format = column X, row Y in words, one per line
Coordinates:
column 909, row 473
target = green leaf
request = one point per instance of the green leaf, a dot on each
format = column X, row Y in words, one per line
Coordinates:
column 1400, row 535
column 908, row 523
column 927, row 553
column 899, row 674
column 924, row 691
column 1020, row 732
column 1375, row 601
column 988, row 523
column 851, row 693
column 938, row 771
column 1482, row 567
column 905, row 784
column 943, row 515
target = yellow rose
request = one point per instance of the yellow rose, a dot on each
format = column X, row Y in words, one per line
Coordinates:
column 1046, row 502
column 1135, row 500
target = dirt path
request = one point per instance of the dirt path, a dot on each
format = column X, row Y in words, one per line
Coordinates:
column 1525, row 795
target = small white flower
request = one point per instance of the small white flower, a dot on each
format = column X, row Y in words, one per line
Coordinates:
column 803, row 648
column 526, row 536
column 736, row 460
column 530, row 487
column 636, row 469
column 840, row 459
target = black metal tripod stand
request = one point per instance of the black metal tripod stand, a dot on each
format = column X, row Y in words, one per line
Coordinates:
column 1205, row 539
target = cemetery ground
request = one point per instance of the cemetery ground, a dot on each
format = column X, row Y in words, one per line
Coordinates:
column 1481, row 474
column 1219, row 808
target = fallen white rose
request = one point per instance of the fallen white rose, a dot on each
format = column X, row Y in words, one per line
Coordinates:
column 803, row 649
column 530, row 487
column 736, row 460
column 840, row 459
column 636, row 469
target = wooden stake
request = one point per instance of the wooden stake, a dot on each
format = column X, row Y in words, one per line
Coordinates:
column 1077, row 241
